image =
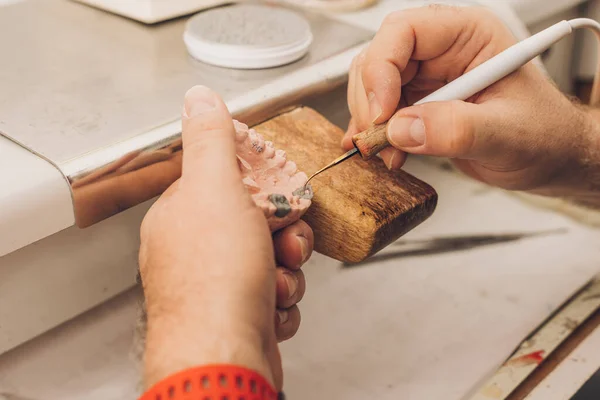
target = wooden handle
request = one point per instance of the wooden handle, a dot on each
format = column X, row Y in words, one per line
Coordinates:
column 371, row 141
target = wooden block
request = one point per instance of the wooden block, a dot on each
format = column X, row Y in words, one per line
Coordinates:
column 359, row 207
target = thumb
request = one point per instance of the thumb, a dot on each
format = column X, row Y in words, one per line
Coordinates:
column 453, row 129
column 208, row 137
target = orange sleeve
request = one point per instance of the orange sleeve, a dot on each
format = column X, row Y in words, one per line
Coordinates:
column 213, row 382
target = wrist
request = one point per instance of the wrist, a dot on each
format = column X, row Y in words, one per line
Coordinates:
column 187, row 328
column 175, row 342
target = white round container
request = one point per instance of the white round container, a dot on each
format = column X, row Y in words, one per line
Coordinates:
column 248, row 36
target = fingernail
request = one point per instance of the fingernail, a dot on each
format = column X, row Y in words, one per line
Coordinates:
column 292, row 283
column 199, row 100
column 303, row 247
column 283, row 316
column 390, row 162
column 406, row 132
column 374, row 107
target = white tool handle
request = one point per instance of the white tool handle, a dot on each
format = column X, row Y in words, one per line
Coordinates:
column 500, row 66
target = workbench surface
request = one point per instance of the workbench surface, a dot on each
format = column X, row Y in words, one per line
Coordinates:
column 432, row 317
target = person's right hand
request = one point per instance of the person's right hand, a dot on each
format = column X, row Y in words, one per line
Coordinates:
column 520, row 134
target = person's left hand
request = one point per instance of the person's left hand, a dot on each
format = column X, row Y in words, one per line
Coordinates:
column 208, row 260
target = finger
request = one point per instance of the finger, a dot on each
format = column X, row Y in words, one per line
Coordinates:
column 417, row 34
column 351, row 87
column 208, row 140
column 347, row 139
column 393, row 158
column 357, row 100
column 288, row 322
column 409, row 73
column 454, row 129
column 364, row 106
column 294, row 244
column 290, row 287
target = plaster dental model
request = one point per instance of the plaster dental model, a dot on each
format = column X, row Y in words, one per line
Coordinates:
column 271, row 179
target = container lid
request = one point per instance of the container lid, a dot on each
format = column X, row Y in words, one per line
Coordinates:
column 248, row 36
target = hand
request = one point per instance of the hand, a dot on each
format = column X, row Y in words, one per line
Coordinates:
column 520, row 134
column 208, row 261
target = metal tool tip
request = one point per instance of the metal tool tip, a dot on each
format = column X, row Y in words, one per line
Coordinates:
column 304, row 192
